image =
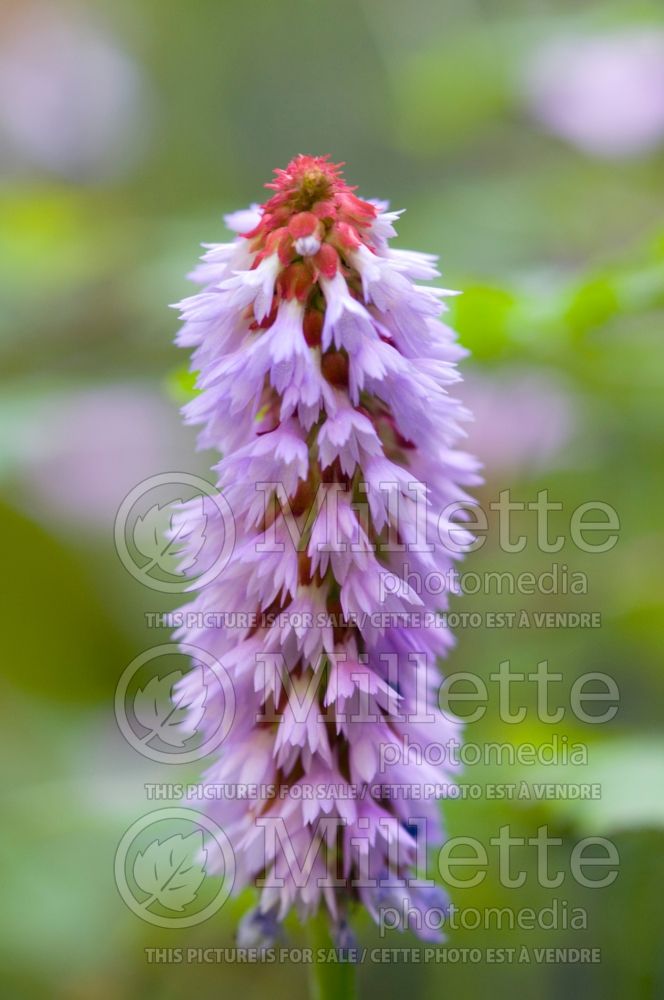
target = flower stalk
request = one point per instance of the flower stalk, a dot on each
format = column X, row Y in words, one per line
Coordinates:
column 324, row 369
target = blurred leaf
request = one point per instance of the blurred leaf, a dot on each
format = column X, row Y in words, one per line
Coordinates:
column 62, row 640
column 592, row 305
column 180, row 384
column 450, row 92
column 627, row 772
column 481, row 315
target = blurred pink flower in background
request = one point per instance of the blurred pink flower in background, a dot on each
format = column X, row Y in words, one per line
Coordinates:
column 84, row 451
column 604, row 93
column 71, row 101
column 523, row 419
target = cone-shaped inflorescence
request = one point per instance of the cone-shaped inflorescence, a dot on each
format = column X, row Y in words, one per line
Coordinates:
column 324, row 370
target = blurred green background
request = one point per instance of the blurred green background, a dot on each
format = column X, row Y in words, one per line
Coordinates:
column 526, row 139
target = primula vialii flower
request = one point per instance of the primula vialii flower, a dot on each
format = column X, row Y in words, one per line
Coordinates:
column 323, row 374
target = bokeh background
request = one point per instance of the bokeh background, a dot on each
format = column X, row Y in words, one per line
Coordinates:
column 526, row 139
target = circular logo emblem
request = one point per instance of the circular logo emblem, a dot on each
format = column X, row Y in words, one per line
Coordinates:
column 174, row 532
column 172, row 714
column 174, row 868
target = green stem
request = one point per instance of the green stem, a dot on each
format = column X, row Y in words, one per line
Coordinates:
column 328, row 980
